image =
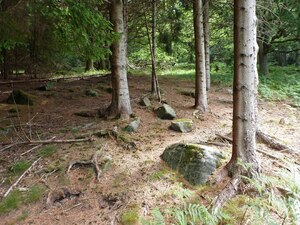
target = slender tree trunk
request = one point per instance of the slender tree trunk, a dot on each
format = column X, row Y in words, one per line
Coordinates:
column 89, row 65
column 153, row 80
column 206, row 41
column 281, row 59
column 4, row 69
column 120, row 104
column 200, row 86
column 244, row 89
column 263, row 60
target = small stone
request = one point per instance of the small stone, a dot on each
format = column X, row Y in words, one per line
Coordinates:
column 133, row 126
column 165, row 112
column 195, row 162
column 284, row 121
column 182, row 125
column 92, row 93
column 145, row 102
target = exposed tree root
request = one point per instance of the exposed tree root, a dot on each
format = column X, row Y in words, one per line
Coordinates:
column 273, row 143
column 231, row 189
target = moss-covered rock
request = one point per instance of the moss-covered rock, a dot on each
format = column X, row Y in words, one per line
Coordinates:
column 92, row 93
column 145, row 102
column 165, row 112
column 182, row 125
column 195, row 162
column 20, row 97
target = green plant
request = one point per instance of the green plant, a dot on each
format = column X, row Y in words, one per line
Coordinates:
column 47, row 151
column 130, row 217
column 34, row 194
column 19, row 167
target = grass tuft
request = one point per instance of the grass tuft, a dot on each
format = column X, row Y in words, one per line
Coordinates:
column 47, row 151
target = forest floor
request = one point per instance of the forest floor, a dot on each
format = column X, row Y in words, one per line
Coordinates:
column 137, row 181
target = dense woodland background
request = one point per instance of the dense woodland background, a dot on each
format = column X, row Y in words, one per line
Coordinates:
column 86, row 66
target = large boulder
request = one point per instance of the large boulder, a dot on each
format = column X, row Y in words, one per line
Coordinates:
column 195, row 162
column 182, row 125
column 165, row 112
column 20, row 97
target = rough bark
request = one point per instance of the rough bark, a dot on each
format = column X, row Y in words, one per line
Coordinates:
column 89, row 65
column 120, row 104
column 206, row 41
column 263, row 60
column 4, row 67
column 153, row 80
column 244, row 89
column 200, row 86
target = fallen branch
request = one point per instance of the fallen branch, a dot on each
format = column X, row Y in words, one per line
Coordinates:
column 20, row 178
column 30, row 150
column 225, row 137
column 92, row 162
column 49, row 141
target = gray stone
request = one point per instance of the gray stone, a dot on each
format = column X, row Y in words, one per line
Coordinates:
column 133, row 126
column 195, row 162
column 145, row 102
column 182, row 125
column 165, row 112
column 92, row 93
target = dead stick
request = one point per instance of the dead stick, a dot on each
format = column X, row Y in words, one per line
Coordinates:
column 20, row 178
column 224, row 137
column 30, row 150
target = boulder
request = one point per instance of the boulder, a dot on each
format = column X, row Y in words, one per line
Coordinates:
column 195, row 162
column 47, row 87
column 182, row 125
column 165, row 112
column 133, row 126
column 20, row 97
column 145, row 102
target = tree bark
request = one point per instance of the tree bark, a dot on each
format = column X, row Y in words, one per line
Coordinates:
column 206, row 41
column 244, row 90
column 4, row 69
column 200, row 86
column 89, row 65
column 120, row 104
column 153, row 80
column 263, row 60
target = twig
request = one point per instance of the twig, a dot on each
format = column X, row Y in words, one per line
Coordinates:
column 74, row 206
column 20, row 178
column 30, row 150
column 50, row 141
column 224, row 137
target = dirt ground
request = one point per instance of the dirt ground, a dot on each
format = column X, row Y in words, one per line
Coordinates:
column 134, row 179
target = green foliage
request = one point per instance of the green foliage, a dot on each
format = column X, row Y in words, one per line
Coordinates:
column 17, row 198
column 47, row 151
column 282, row 83
column 19, row 167
column 130, row 217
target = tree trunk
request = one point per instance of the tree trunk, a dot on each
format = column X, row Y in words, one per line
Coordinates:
column 153, row 80
column 89, row 65
column 120, row 104
column 206, row 41
column 200, row 86
column 244, row 89
column 4, row 68
column 263, row 60
column 281, row 59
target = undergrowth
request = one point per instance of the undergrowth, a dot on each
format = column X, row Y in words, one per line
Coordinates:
column 17, row 198
column 269, row 199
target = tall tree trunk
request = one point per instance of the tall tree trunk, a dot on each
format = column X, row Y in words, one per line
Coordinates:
column 281, row 59
column 89, row 65
column 244, row 89
column 200, row 86
column 153, row 80
column 206, row 41
column 263, row 60
column 4, row 69
column 120, row 104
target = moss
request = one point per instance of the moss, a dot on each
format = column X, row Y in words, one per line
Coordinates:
column 130, row 217
column 34, row 194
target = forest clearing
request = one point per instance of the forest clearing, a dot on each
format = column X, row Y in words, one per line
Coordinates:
column 161, row 112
